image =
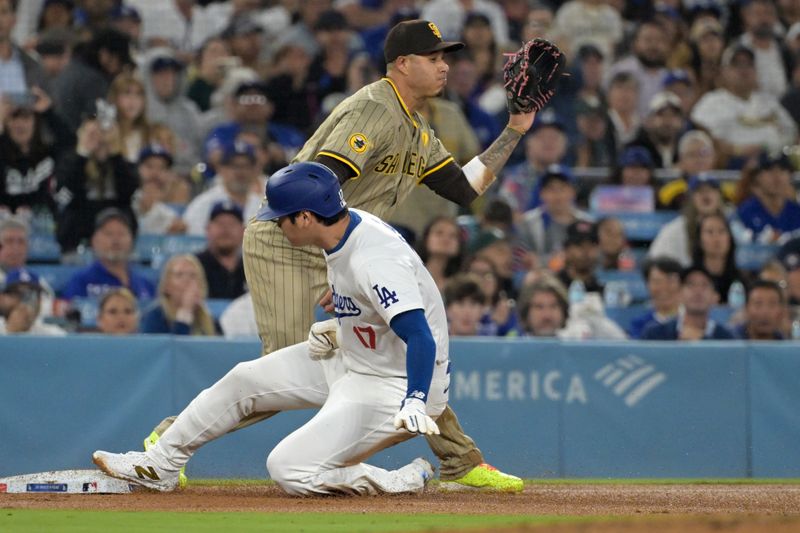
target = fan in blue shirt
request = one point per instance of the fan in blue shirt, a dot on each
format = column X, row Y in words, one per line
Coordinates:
column 769, row 212
column 698, row 296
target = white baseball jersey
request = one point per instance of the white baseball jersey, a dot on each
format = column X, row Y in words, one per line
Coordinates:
column 375, row 275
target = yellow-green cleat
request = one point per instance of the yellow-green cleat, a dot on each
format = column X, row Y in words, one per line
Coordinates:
column 152, row 439
column 484, row 477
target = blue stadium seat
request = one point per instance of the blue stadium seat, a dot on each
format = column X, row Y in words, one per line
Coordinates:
column 155, row 250
column 217, row 306
column 633, row 280
column 43, row 248
column 56, row 275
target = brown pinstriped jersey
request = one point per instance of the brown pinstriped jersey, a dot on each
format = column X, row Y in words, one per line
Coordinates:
column 389, row 149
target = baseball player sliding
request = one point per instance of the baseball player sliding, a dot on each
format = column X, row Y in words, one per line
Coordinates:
column 386, row 348
column 380, row 147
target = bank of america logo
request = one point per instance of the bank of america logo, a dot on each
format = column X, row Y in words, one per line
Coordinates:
column 630, row 378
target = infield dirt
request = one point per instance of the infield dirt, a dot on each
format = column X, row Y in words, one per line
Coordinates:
column 632, row 508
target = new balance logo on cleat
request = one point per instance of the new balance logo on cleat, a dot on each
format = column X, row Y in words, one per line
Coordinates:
column 149, row 472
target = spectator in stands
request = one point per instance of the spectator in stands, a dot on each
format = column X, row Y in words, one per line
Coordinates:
column 634, row 168
column 250, row 110
column 88, row 76
column 580, row 22
column 302, row 31
column 237, row 172
column 27, row 159
column 13, row 245
column 696, row 155
column 663, row 278
column 127, row 95
column 765, row 312
column 183, row 24
column 693, row 321
column 581, row 252
column 118, row 313
column 93, row 177
column 539, row 22
column 20, row 305
column 715, row 250
column 463, row 79
column 166, row 103
column 153, row 215
column 615, row 253
column 464, row 303
column 682, row 84
column 595, row 146
column 494, row 246
column 543, row 229
column 545, row 145
column 449, row 17
column 676, row 238
column 647, row 62
column 211, row 62
column 760, row 18
column 789, row 257
column 791, row 99
column 126, row 19
column 222, row 258
column 56, row 14
column 112, row 243
column 707, row 40
column 245, row 38
column 441, row 249
column 771, row 210
column 543, row 308
column 662, row 129
column 328, row 71
column 623, row 107
column 590, row 64
column 20, row 71
column 54, row 48
column 291, row 92
column 180, row 308
column 499, row 317
column 483, row 48
column 239, row 318
column 742, row 119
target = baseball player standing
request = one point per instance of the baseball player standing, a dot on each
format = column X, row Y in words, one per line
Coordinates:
column 387, row 347
column 380, row 147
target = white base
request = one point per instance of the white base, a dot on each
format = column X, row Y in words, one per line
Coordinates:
column 66, row 482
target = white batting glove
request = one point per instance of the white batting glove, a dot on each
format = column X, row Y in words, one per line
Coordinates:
column 413, row 418
column 322, row 339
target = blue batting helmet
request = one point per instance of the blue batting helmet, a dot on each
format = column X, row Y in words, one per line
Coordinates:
column 302, row 186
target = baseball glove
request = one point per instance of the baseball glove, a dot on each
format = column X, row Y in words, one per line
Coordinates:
column 531, row 74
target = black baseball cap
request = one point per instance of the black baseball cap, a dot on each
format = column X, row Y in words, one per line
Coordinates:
column 226, row 208
column 416, row 37
column 111, row 213
column 580, row 232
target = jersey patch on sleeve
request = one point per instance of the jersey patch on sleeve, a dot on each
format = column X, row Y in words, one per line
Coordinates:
column 358, row 143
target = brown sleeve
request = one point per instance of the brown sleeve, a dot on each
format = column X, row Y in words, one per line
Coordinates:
column 344, row 172
column 448, row 181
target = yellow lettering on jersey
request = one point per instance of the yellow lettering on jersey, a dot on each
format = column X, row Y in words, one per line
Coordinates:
column 358, row 142
column 410, row 164
column 425, row 138
column 421, row 167
column 387, row 165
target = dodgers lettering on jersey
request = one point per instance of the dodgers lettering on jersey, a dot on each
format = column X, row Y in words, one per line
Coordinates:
column 375, row 275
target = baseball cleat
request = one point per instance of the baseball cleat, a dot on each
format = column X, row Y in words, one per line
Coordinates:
column 484, row 477
column 137, row 468
column 151, row 440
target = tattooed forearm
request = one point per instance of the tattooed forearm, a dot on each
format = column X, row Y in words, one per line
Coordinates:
column 497, row 154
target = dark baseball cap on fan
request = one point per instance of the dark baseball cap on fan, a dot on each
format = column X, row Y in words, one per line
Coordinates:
column 416, row 37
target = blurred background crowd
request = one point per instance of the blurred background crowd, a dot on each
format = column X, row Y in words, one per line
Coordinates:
column 653, row 198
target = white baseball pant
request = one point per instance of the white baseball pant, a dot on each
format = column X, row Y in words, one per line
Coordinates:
column 324, row 455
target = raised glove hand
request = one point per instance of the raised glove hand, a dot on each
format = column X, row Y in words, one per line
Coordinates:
column 531, row 75
column 322, row 339
column 412, row 417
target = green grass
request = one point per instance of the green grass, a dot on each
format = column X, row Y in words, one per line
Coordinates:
column 29, row 521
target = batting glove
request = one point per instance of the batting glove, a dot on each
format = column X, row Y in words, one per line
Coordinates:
column 413, row 418
column 322, row 339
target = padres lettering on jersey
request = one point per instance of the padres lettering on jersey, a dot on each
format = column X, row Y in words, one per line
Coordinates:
column 389, row 149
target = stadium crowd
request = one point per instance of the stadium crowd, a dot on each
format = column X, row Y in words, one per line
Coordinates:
column 653, row 197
